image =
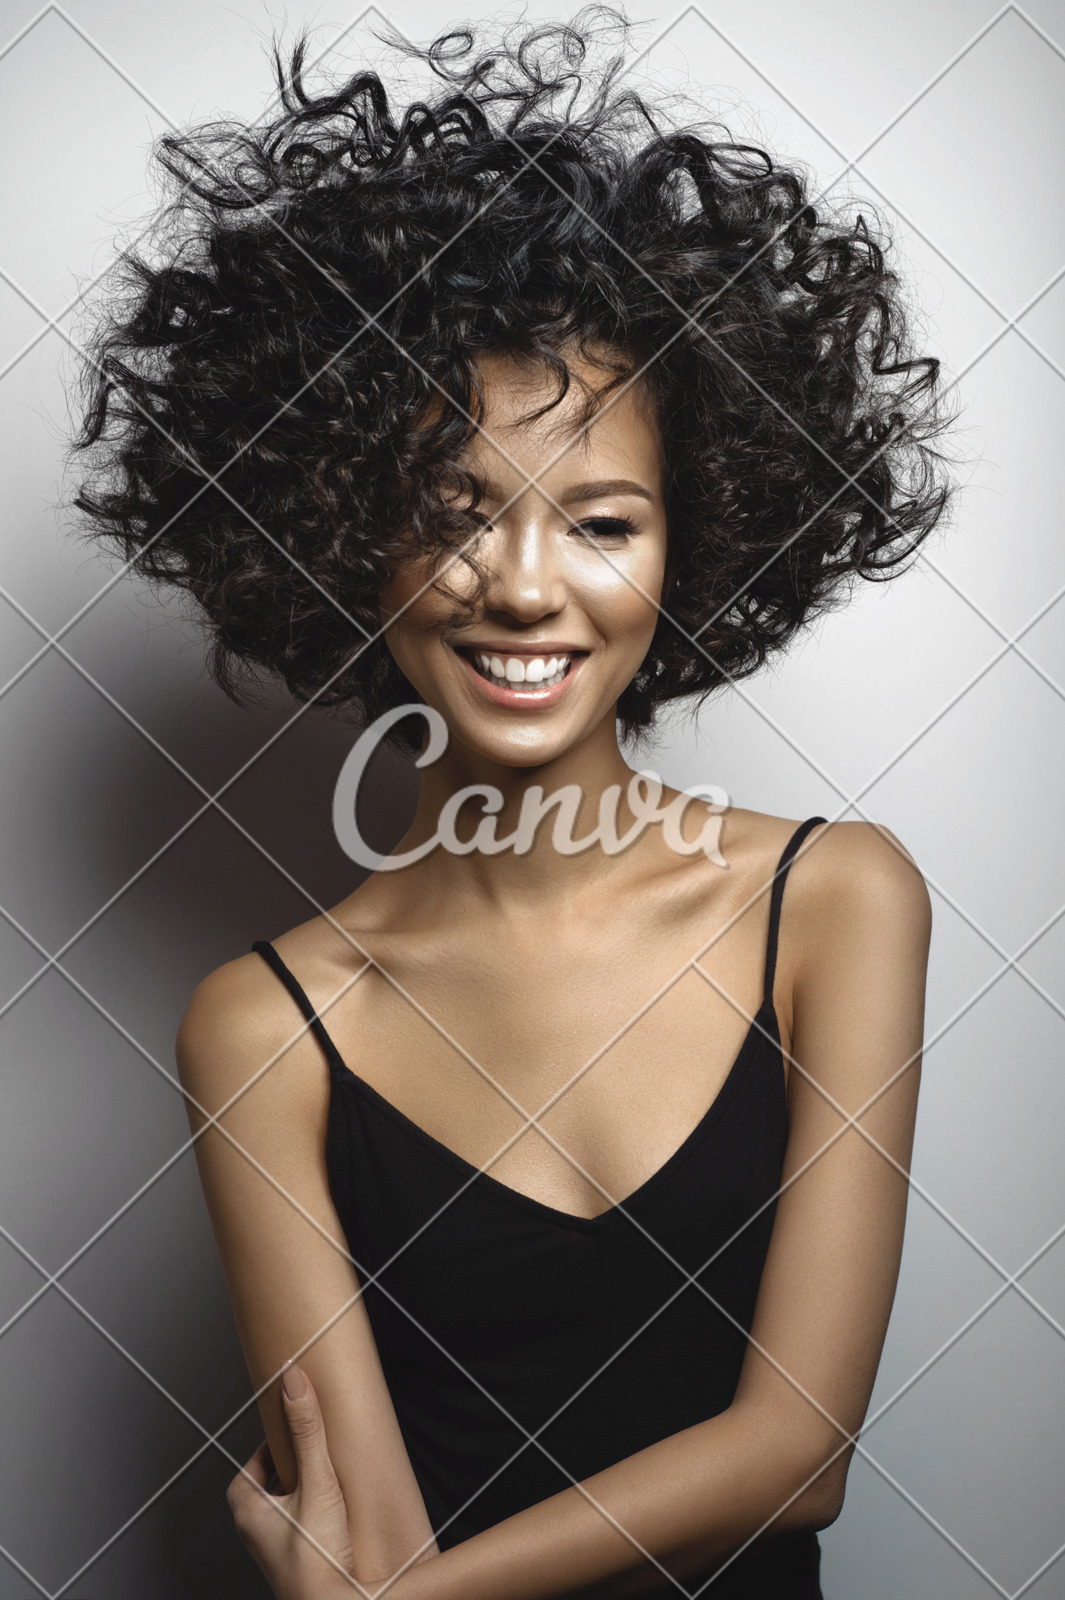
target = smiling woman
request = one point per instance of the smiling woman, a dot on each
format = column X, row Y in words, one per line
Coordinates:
column 551, row 503
column 282, row 408
column 526, row 411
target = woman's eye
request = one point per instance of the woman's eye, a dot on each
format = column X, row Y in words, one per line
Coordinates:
column 605, row 528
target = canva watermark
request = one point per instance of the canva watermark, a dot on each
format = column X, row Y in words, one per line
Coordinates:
column 643, row 796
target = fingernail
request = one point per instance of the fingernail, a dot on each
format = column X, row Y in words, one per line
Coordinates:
column 292, row 1381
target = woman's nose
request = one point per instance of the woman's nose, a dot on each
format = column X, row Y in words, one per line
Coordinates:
column 525, row 577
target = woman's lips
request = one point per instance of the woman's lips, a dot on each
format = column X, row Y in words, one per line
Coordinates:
column 514, row 695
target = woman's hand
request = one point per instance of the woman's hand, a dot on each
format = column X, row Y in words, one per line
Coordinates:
column 296, row 1538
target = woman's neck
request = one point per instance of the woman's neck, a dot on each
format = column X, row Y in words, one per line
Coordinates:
column 537, row 869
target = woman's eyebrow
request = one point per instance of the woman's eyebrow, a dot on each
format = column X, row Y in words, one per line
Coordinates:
column 596, row 491
column 578, row 492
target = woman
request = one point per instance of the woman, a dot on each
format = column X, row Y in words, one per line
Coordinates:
column 571, row 1170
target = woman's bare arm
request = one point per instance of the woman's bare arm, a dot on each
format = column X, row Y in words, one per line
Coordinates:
column 861, row 913
column 283, row 1250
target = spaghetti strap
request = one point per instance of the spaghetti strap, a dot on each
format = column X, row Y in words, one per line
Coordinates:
column 264, row 948
column 779, row 879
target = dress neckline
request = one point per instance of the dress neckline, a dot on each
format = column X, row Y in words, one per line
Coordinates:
column 763, row 1025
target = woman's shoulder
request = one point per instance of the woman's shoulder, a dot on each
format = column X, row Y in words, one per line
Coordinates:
column 242, row 1012
column 832, row 853
column 846, row 874
column 856, row 907
column 240, row 1016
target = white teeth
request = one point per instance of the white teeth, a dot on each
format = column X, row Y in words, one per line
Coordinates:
column 544, row 671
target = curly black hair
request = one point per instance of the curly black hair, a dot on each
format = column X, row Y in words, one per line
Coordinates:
column 279, row 399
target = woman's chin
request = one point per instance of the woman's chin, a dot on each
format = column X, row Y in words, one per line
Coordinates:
column 516, row 747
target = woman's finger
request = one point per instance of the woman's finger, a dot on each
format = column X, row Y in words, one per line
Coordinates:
column 317, row 1478
column 258, row 1468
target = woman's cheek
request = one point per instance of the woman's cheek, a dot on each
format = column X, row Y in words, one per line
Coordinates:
column 623, row 595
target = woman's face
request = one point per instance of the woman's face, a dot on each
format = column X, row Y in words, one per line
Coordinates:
column 576, row 564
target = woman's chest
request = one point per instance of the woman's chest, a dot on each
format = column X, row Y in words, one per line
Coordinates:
column 442, row 1237
column 570, row 1081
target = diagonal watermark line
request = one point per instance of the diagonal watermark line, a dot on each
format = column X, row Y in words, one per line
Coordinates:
column 327, row 365
column 403, row 351
column 1009, row 323
column 229, row 1424
column 162, row 1390
column 563, row 1152
column 914, row 100
column 1027, row 18
column 558, row 132
column 1039, row 1572
column 850, row 480
column 937, row 77
column 211, row 479
column 394, row 341
column 852, row 165
column 734, row 683
column 118, row 1346
column 1012, row 324
column 1011, row 641
column 24, row 1572
column 944, row 710
column 430, row 1020
column 139, row 237
column 406, row 996
column 922, row 554
column 266, row 1175
column 26, row 28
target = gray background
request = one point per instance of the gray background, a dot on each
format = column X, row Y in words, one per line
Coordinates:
column 118, row 1359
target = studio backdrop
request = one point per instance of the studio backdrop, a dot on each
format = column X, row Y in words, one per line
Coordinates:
column 152, row 830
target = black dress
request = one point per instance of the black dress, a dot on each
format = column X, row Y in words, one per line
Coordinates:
column 526, row 1348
